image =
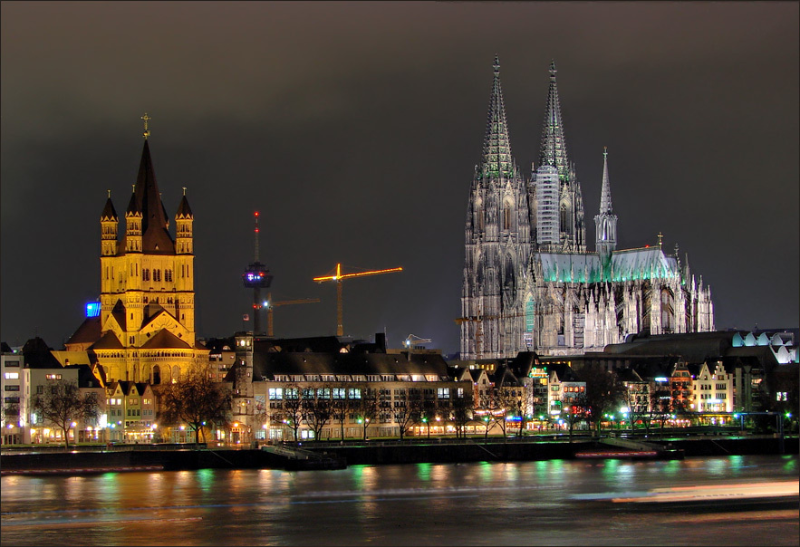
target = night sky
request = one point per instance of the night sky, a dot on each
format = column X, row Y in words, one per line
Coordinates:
column 354, row 129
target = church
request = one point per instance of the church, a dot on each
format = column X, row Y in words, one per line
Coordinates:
column 144, row 331
column 531, row 284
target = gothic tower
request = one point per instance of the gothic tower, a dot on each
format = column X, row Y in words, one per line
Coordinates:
column 605, row 223
column 553, row 152
column 497, row 243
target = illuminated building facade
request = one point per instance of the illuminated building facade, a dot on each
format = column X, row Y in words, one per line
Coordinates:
column 529, row 282
column 145, row 329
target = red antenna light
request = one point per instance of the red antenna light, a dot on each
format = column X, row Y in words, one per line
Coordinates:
column 256, row 232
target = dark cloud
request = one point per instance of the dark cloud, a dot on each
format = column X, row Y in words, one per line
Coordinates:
column 354, row 129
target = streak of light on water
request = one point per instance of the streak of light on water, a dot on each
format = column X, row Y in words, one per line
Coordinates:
column 511, row 503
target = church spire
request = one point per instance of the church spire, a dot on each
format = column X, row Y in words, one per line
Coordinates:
column 553, row 150
column 605, row 222
column 497, row 145
column 605, row 192
column 155, row 225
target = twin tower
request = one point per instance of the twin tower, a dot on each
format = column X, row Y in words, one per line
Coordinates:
column 530, row 284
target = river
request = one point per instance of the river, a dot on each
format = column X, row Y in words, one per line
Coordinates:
column 514, row 503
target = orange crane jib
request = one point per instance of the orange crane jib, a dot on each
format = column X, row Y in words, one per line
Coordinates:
column 338, row 278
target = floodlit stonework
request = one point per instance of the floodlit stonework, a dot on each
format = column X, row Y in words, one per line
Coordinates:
column 529, row 282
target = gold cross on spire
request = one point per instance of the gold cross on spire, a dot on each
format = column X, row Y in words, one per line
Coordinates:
column 184, row 190
column 660, row 237
column 146, row 119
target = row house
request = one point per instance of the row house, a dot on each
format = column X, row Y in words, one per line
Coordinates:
column 712, row 388
column 131, row 408
column 565, row 390
column 12, row 363
column 637, row 391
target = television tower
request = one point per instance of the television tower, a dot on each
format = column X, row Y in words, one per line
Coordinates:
column 256, row 277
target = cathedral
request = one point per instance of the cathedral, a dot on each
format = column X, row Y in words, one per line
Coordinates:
column 531, row 284
column 144, row 331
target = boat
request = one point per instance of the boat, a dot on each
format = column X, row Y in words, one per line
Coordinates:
column 713, row 497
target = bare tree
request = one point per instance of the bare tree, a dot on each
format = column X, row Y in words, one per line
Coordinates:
column 341, row 405
column 317, row 408
column 10, row 412
column 292, row 408
column 408, row 409
column 62, row 403
column 427, row 408
column 461, row 413
column 603, row 393
column 503, row 402
column 366, row 407
column 574, row 411
column 198, row 400
column 520, row 411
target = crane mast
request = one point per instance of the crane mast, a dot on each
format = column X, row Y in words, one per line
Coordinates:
column 338, row 277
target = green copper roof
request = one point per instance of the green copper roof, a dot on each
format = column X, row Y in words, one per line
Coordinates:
column 626, row 265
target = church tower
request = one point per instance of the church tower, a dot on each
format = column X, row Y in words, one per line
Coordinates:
column 146, row 328
column 605, row 223
column 553, row 153
column 497, row 244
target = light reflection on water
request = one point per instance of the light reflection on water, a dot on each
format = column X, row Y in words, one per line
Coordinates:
column 478, row 504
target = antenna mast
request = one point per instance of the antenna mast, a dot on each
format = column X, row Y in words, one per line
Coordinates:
column 256, row 277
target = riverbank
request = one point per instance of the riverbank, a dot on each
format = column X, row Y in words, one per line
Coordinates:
column 140, row 458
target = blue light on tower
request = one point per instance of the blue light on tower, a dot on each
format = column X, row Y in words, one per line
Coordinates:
column 93, row 309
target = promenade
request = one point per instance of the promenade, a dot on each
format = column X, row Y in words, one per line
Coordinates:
column 189, row 457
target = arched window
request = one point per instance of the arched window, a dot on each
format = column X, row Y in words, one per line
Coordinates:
column 529, row 314
column 564, row 219
column 156, row 375
column 506, row 215
column 479, row 215
column 146, row 373
column 176, row 374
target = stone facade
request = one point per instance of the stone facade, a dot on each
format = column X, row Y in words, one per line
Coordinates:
column 529, row 282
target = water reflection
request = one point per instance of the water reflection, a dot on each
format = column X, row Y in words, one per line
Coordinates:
column 425, row 504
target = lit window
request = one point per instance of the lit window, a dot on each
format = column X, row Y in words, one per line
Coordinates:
column 11, row 375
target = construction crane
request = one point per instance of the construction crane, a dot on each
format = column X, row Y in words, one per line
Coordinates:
column 338, row 277
column 413, row 340
column 269, row 304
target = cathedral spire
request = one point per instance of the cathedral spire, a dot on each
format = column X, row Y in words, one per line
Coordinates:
column 553, row 150
column 497, row 145
column 605, row 192
column 605, row 223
